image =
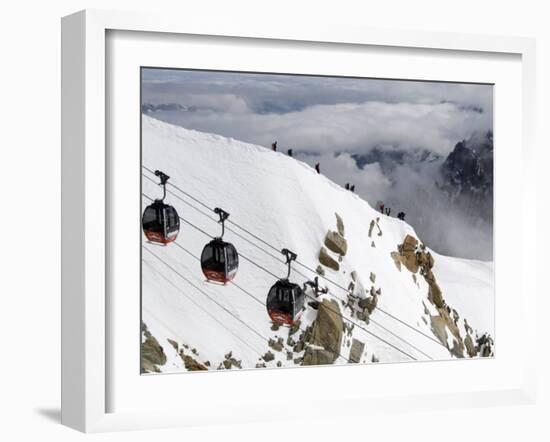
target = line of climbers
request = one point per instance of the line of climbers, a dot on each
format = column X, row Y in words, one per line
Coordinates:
column 351, row 187
column 291, row 153
column 387, row 211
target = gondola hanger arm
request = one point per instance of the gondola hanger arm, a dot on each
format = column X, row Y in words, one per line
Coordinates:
column 223, row 216
column 290, row 256
column 163, row 180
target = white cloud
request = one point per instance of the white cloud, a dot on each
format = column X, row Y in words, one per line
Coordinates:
column 327, row 120
column 348, row 127
column 343, row 169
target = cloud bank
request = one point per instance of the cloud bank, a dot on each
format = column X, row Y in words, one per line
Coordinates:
column 338, row 122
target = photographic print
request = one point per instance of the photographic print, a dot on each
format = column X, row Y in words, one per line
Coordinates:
column 301, row 220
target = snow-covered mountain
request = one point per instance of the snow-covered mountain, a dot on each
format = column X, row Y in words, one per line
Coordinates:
column 390, row 158
column 389, row 298
column 468, row 176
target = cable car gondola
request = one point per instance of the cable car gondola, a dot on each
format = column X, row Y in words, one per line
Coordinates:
column 285, row 299
column 219, row 259
column 160, row 221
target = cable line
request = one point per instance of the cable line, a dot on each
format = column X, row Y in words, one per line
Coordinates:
column 245, row 291
column 211, row 237
column 411, row 327
column 207, row 312
column 334, row 311
column 236, row 285
column 213, row 219
column 182, row 191
column 204, row 293
column 372, row 334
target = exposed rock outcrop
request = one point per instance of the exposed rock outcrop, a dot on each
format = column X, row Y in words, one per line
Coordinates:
column 407, row 253
column 374, row 223
column 434, row 294
column 192, row 364
column 417, row 259
column 152, row 353
column 439, row 328
column 230, row 362
column 370, row 303
column 340, row 225
column 396, row 259
column 336, row 243
column 326, row 336
column 485, row 346
column 276, row 345
column 327, row 260
column 470, row 347
column 356, row 351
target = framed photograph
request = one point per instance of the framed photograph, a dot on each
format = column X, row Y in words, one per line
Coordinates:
column 256, row 216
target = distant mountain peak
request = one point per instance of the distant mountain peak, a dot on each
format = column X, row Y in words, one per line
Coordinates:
column 468, row 170
column 391, row 157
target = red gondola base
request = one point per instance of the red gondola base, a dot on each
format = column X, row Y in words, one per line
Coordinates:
column 158, row 237
column 282, row 318
column 220, row 277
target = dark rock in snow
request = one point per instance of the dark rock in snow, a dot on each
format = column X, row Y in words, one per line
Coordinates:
column 192, row 364
column 439, row 329
column 318, row 357
column 356, row 351
column 299, row 347
column 294, row 328
column 327, row 334
column 276, row 345
column 340, row 224
column 470, row 347
column 327, row 260
column 152, row 354
column 336, row 243
column 314, row 304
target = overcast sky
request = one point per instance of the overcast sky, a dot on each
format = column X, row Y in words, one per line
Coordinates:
column 331, row 120
column 320, row 114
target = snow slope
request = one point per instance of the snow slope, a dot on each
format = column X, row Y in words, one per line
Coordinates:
column 285, row 202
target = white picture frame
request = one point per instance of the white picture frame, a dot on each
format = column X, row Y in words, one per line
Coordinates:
column 86, row 200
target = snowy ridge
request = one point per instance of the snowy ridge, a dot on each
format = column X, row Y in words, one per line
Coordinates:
column 285, row 202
